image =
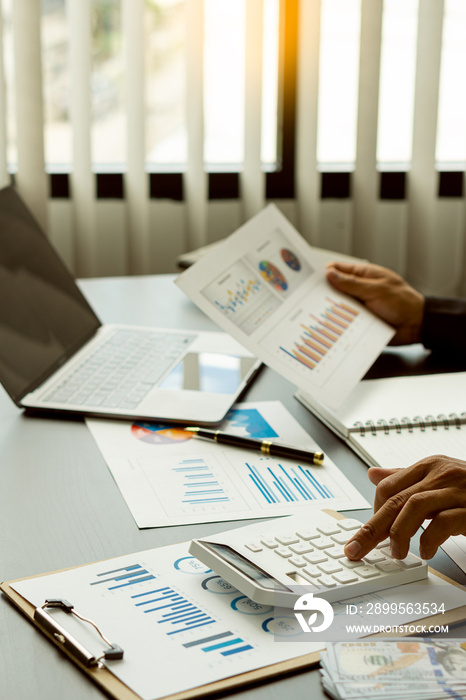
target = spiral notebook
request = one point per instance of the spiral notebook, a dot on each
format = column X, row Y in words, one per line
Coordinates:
column 395, row 422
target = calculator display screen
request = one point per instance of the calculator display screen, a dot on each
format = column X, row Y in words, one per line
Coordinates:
column 246, row 567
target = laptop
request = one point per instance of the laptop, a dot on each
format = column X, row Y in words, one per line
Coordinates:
column 56, row 355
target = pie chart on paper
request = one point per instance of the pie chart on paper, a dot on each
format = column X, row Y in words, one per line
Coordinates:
column 156, row 434
column 272, row 274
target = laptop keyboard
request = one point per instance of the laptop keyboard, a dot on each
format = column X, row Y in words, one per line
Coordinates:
column 121, row 371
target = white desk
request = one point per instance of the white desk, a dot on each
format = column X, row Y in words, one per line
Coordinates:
column 59, row 506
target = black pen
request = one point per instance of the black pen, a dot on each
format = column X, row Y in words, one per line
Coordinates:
column 272, row 449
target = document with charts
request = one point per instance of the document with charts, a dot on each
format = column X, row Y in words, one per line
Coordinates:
column 167, row 477
column 267, row 287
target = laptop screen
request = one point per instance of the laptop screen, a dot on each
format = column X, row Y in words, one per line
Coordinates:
column 44, row 318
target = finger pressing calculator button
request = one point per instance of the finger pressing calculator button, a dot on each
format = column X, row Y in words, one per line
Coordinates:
column 269, row 542
column 349, row 524
column 287, row 539
column 368, row 572
column 283, row 552
column 352, row 564
column 253, row 547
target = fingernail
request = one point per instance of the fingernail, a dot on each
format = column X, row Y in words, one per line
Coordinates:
column 352, row 549
column 396, row 554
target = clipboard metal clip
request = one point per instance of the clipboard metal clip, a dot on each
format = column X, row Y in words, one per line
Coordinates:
column 70, row 643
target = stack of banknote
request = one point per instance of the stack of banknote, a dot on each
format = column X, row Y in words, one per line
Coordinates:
column 415, row 668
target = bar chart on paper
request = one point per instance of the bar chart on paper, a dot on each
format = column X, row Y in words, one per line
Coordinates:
column 170, row 609
column 200, row 483
column 320, row 333
column 237, row 486
column 195, row 486
column 276, row 483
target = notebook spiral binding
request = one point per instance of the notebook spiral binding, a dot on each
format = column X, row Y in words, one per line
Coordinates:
column 453, row 420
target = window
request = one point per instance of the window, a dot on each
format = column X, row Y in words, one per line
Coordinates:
column 165, row 75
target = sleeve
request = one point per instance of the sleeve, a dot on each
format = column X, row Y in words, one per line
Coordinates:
column 444, row 324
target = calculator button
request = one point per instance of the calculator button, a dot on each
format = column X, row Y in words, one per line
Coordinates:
column 410, row 561
column 312, row 570
column 329, row 567
column 312, row 579
column 327, row 581
column 374, row 556
column 323, row 543
column 287, row 539
column 350, row 564
column 308, row 534
column 336, row 552
column 341, row 538
column 301, row 548
column 253, row 547
column 269, row 542
column 328, row 529
column 315, row 557
column 368, row 572
column 345, row 577
column 384, row 543
column 387, row 551
column 349, row 524
column 388, row 566
column 283, row 552
column 297, row 561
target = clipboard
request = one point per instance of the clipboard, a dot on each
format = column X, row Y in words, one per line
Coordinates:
column 107, row 681
column 114, row 687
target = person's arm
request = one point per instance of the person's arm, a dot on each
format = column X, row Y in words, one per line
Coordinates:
column 433, row 488
column 384, row 293
column 444, row 324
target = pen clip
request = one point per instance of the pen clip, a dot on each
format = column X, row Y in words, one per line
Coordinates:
column 112, row 653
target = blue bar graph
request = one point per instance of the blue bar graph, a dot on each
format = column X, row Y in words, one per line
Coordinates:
column 223, row 644
column 126, row 576
column 174, row 612
column 172, row 609
column 200, row 484
column 279, row 484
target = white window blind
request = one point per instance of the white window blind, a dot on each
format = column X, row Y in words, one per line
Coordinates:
column 202, row 89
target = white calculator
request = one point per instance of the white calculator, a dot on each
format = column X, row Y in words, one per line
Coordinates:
column 272, row 561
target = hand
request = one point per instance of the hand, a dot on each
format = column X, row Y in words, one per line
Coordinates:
column 384, row 293
column 433, row 488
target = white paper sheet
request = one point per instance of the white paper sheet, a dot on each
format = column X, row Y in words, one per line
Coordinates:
column 266, row 287
column 179, row 624
column 168, row 477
